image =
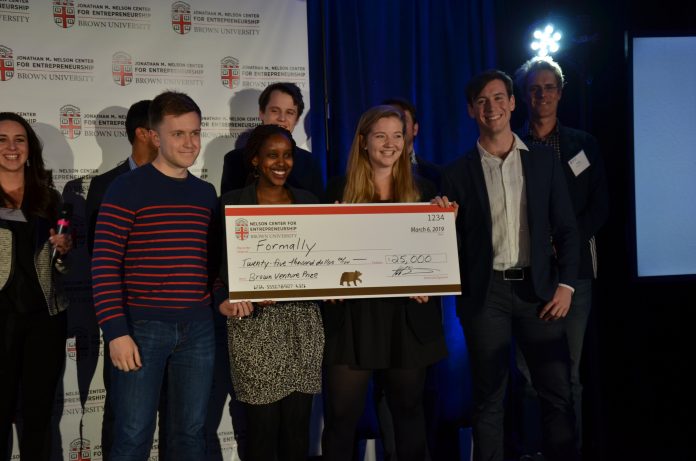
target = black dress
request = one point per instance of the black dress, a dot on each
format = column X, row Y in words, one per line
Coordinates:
column 381, row 333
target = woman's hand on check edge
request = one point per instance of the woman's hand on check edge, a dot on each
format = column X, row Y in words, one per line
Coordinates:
column 242, row 308
column 419, row 299
column 238, row 309
column 444, row 202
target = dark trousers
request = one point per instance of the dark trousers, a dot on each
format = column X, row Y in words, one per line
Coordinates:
column 32, row 357
column 512, row 310
column 222, row 387
column 279, row 429
column 524, row 393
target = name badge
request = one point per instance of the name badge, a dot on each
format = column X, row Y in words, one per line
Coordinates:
column 579, row 163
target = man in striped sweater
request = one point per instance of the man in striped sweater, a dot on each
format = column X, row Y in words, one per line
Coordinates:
column 150, row 275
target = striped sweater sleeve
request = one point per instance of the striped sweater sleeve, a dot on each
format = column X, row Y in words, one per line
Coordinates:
column 114, row 223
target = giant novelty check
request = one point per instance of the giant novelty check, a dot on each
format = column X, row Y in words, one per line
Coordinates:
column 340, row 251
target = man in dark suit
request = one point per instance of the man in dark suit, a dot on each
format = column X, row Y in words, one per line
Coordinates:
column 513, row 203
column 143, row 151
column 422, row 167
column 279, row 104
column 541, row 82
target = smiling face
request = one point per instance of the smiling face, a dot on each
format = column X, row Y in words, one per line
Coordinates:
column 543, row 94
column 274, row 161
column 280, row 110
column 385, row 142
column 14, row 146
column 178, row 138
column 492, row 108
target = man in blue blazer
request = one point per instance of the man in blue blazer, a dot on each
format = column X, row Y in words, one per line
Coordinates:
column 142, row 151
column 518, row 256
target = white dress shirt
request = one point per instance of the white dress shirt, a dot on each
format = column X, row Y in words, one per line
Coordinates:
column 507, row 197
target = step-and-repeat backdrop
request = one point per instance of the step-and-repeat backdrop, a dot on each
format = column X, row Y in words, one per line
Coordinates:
column 73, row 68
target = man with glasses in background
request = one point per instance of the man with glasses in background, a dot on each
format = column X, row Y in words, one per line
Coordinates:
column 541, row 81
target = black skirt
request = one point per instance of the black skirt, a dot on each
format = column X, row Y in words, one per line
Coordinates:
column 381, row 333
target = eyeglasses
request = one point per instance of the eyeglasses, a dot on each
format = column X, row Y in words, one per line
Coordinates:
column 548, row 88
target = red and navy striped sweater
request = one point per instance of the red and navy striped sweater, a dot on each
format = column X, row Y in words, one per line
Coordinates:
column 150, row 259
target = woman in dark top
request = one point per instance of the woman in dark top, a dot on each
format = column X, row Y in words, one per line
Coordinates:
column 275, row 348
column 398, row 337
column 32, row 321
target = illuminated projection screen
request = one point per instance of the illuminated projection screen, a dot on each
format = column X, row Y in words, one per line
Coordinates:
column 664, row 140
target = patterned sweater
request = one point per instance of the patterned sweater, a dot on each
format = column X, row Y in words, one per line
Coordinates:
column 150, row 259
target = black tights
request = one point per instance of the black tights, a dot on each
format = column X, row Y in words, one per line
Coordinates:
column 346, row 389
column 279, row 429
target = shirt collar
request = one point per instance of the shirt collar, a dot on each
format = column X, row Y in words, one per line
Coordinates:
column 131, row 163
column 518, row 144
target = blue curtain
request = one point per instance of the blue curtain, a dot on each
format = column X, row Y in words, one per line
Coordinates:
column 364, row 51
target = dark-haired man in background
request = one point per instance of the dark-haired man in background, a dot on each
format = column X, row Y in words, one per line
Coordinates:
column 422, row 167
column 279, row 104
column 142, row 151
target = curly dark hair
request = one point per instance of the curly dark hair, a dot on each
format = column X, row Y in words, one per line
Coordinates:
column 258, row 136
column 40, row 196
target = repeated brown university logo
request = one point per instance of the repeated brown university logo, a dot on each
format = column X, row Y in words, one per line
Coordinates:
column 70, row 121
column 6, row 64
column 348, row 277
column 229, row 72
column 122, row 68
column 241, row 229
column 64, row 13
column 80, row 450
column 181, row 17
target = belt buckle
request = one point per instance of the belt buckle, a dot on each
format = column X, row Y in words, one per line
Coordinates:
column 513, row 274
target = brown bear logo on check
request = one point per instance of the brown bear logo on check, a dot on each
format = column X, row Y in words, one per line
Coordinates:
column 351, row 277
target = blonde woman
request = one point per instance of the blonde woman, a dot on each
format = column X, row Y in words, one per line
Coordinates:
column 398, row 337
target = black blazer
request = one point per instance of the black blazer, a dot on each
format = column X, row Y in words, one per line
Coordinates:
column 95, row 195
column 425, row 320
column 247, row 196
column 588, row 191
column 549, row 214
column 305, row 173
